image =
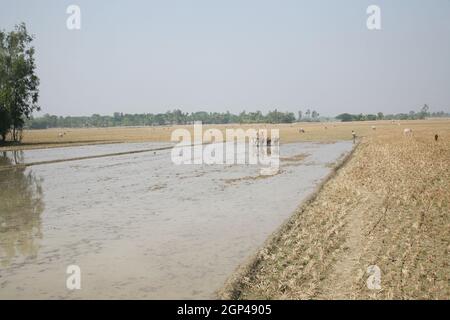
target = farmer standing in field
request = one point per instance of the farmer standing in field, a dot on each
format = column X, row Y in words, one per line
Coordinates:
column 354, row 136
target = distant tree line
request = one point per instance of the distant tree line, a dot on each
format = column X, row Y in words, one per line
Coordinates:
column 149, row 119
column 412, row 115
column 309, row 116
column 174, row 117
column 177, row 117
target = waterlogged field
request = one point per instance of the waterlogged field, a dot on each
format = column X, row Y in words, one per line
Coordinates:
column 138, row 225
column 141, row 227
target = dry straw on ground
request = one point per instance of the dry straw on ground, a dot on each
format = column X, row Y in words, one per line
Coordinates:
column 388, row 206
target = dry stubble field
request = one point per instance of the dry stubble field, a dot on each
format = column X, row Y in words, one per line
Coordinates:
column 387, row 206
column 329, row 131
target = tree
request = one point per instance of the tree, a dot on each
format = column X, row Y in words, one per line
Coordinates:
column 424, row 112
column 18, row 82
column 345, row 117
column 380, row 115
column 5, row 122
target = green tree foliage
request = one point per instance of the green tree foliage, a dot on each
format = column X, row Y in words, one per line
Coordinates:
column 345, row 117
column 5, row 122
column 412, row 115
column 174, row 117
column 424, row 112
column 18, row 82
column 177, row 117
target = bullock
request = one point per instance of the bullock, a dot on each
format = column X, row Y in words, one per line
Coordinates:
column 407, row 132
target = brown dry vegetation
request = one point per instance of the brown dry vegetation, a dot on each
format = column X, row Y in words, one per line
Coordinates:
column 387, row 206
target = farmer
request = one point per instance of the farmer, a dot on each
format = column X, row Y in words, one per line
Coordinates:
column 354, row 136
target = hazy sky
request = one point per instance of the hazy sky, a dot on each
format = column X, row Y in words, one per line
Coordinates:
column 218, row 55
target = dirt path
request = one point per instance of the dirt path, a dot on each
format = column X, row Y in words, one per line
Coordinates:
column 340, row 282
column 115, row 154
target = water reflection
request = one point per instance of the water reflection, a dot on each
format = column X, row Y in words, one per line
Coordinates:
column 21, row 205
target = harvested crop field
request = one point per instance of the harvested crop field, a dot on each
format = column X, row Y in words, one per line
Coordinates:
column 323, row 132
column 388, row 206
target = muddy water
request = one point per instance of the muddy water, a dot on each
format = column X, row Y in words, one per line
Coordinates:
column 139, row 226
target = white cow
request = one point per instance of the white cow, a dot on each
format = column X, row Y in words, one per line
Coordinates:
column 407, row 132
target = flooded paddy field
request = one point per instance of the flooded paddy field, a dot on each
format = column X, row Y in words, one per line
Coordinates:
column 138, row 225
